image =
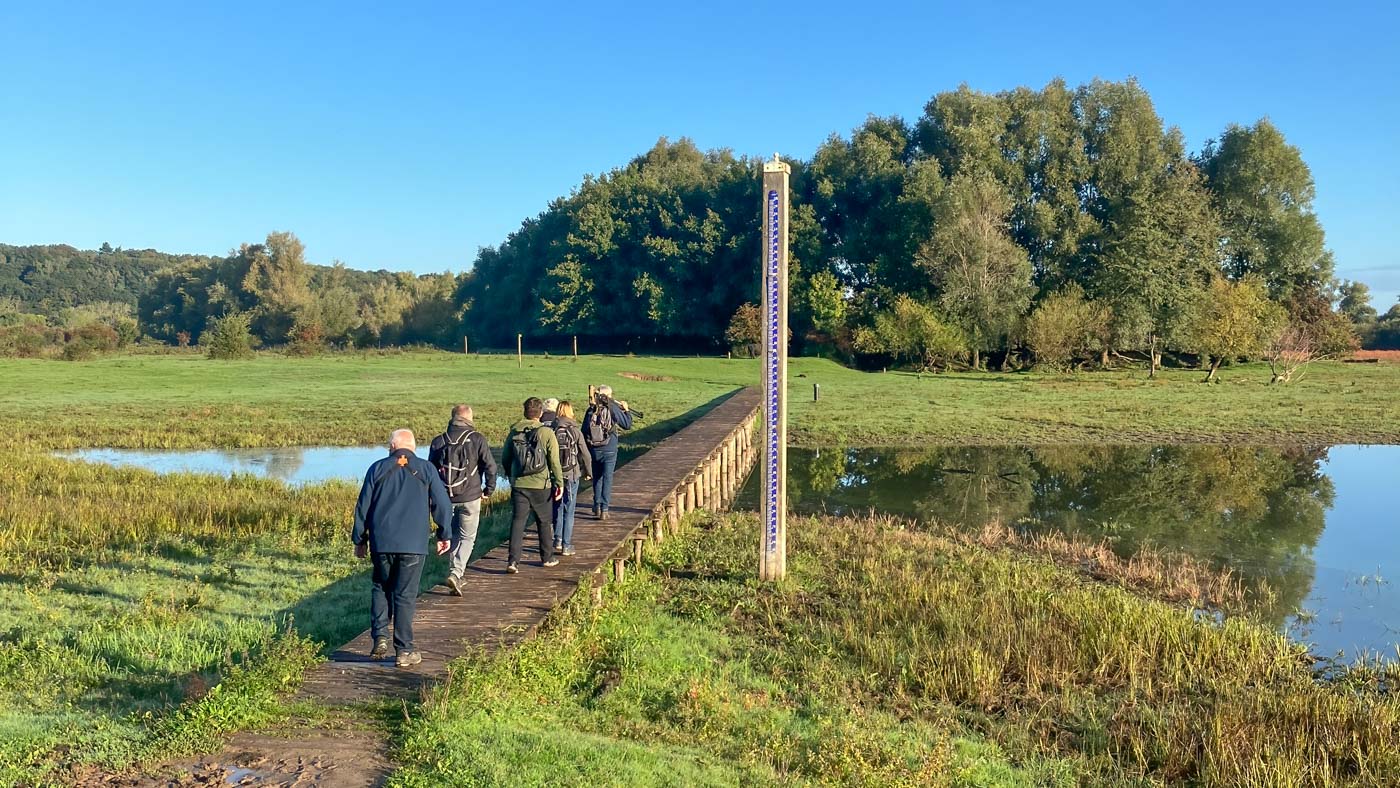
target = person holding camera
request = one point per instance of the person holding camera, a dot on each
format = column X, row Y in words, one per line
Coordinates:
column 605, row 416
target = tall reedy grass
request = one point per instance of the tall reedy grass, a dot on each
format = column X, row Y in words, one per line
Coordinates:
column 58, row 513
column 1040, row 653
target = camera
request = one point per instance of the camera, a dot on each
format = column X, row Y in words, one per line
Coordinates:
column 596, row 397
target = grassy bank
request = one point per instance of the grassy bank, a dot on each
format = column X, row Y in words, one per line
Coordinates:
column 892, row 657
column 127, row 598
column 188, row 401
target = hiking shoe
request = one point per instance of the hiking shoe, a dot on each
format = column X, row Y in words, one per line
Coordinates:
column 568, row 551
column 455, row 583
column 408, row 659
column 511, row 569
column 604, row 515
column 551, row 562
column 558, row 546
column 381, row 649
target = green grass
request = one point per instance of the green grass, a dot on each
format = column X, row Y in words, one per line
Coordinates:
column 891, row 657
column 126, row 597
column 184, row 400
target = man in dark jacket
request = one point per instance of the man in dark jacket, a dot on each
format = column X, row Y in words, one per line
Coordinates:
column 464, row 462
column 604, row 418
column 391, row 520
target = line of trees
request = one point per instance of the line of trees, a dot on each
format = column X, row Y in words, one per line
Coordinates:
column 1056, row 226
column 1053, row 225
column 284, row 301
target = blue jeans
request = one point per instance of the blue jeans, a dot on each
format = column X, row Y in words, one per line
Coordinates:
column 394, row 596
column 604, row 462
column 564, row 514
column 465, row 518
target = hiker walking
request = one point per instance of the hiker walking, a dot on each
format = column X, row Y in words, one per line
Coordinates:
column 574, row 462
column 391, row 519
column 464, row 462
column 604, row 418
column 531, row 461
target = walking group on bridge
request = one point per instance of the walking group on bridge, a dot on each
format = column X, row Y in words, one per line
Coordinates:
column 545, row 456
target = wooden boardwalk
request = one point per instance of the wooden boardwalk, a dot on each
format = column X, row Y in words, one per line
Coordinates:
column 701, row 466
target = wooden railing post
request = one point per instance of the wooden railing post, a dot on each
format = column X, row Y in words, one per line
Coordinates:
column 597, row 589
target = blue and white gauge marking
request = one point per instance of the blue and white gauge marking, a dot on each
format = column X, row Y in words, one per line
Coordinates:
column 772, row 380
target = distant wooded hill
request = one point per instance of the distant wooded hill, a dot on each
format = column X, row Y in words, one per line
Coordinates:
column 47, row 279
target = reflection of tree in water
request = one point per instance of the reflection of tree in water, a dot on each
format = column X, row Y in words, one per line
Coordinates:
column 1259, row 510
column 282, row 464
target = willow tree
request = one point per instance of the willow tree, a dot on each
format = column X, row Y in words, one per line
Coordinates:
column 983, row 277
column 1159, row 256
column 1236, row 319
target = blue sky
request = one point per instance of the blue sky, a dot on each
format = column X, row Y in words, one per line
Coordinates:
column 407, row 137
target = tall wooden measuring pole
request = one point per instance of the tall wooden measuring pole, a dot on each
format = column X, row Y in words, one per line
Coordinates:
column 773, row 556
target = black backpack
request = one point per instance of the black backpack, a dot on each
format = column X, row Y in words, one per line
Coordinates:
column 454, row 475
column 568, row 447
column 598, row 425
column 528, row 456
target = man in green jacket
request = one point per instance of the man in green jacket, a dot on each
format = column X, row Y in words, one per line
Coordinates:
column 531, row 462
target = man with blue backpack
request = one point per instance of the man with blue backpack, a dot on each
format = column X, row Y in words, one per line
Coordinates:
column 604, row 418
column 530, row 460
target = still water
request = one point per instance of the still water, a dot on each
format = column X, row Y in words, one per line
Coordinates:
column 1319, row 525
column 295, row 466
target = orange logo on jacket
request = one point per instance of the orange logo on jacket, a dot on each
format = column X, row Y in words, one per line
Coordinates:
column 402, row 460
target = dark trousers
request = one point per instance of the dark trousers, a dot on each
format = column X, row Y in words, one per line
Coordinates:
column 523, row 503
column 394, row 596
column 604, row 462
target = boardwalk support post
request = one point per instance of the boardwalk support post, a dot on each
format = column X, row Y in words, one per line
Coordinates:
column 637, row 541
column 619, row 569
column 773, row 556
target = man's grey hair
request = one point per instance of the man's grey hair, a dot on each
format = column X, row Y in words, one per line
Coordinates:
column 462, row 412
column 402, row 439
column 605, row 390
column 551, row 403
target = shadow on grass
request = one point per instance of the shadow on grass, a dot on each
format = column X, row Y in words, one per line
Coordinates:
column 640, row 440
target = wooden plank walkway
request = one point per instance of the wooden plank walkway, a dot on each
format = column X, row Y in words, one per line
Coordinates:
column 701, row 466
